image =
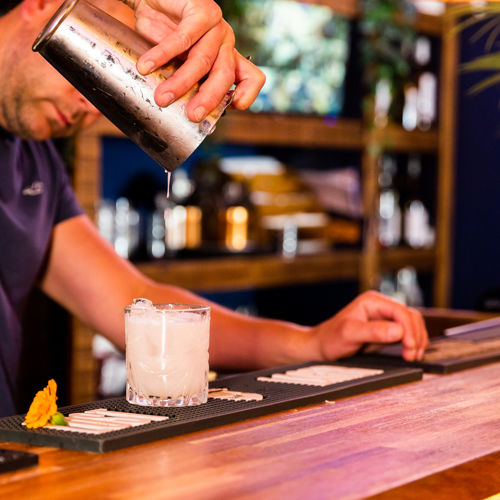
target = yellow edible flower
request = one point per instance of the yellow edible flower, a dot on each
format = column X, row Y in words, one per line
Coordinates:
column 44, row 408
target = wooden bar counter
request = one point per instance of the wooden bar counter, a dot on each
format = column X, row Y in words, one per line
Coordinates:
column 438, row 437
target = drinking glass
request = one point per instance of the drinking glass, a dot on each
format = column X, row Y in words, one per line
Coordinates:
column 167, row 353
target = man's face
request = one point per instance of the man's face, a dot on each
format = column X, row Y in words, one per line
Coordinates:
column 36, row 101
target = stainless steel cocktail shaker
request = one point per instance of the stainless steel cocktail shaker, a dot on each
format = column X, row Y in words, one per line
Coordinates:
column 98, row 55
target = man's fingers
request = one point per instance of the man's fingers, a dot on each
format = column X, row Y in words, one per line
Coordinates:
column 339, row 337
column 169, row 47
column 377, row 306
column 213, row 90
column 196, row 30
column 384, row 332
column 423, row 341
column 200, row 61
column 414, row 341
column 189, row 30
column 249, row 82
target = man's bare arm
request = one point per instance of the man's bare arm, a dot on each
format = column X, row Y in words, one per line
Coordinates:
column 85, row 275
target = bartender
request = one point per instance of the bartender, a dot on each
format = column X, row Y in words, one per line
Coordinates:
column 47, row 241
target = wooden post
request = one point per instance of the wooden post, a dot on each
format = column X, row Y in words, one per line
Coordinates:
column 370, row 257
column 87, row 185
column 446, row 164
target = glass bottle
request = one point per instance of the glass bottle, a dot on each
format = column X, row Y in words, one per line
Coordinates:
column 420, row 90
column 389, row 230
column 416, row 216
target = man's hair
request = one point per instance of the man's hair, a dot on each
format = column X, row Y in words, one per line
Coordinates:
column 7, row 5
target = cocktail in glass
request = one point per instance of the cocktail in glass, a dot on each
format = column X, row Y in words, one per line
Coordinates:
column 167, row 353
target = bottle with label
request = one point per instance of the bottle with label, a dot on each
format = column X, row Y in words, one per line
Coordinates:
column 236, row 216
column 208, row 202
column 177, row 218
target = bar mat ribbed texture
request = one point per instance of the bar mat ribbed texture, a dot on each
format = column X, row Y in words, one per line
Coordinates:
column 182, row 420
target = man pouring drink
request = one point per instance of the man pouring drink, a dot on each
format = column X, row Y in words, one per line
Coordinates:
column 47, row 241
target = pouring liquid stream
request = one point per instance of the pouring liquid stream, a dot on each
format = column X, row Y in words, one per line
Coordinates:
column 169, row 175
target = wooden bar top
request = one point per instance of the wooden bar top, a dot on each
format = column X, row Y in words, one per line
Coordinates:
column 439, row 436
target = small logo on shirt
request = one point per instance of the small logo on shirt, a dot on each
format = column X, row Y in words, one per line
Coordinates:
column 34, row 189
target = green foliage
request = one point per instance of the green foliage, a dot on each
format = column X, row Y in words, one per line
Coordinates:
column 488, row 18
column 387, row 40
column 232, row 9
column 235, row 11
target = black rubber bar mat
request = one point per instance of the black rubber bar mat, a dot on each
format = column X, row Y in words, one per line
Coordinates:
column 182, row 420
column 476, row 346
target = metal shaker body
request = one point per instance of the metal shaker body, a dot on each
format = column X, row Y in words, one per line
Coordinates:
column 98, row 55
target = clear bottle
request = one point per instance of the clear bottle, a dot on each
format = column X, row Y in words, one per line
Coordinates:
column 416, row 217
column 426, row 84
column 388, row 287
column 127, row 228
column 408, row 288
column 420, row 91
column 156, row 235
column 106, row 219
column 389, row 230
column 182, row 220
column 383, row 100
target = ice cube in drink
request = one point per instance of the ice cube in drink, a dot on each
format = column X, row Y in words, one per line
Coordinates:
column 167, row 354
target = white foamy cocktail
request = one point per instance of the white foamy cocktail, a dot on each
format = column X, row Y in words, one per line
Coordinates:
column 167, row 353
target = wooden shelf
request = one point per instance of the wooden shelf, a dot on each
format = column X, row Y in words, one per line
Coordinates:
column 429, row 25
column 243, row 127
column 233, row 273
column 423, row 260
column 344, row 8
column 238, row 273
column 426, row 24
column 396, row 139
column 289, row 130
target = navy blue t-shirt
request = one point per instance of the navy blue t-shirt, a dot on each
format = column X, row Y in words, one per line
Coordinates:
column 35, row 195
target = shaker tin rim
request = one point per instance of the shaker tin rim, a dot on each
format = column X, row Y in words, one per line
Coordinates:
column 62, row 12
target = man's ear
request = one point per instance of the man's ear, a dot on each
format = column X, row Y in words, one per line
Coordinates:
column 34, row 10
